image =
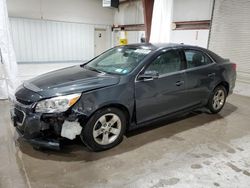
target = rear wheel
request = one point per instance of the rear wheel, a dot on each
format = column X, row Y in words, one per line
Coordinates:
column 217, row 99
column 104, row 130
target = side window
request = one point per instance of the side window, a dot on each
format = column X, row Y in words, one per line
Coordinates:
column 196, row 58
column 167, row 62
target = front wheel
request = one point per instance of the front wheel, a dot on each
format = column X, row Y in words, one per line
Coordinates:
column 104, row 129
column 217, row 99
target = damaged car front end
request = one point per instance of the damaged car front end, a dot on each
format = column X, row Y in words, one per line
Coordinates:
column 44, row 111
column 44, row 123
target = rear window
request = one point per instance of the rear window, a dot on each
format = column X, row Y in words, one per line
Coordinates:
column 196, row 58
column 215, row 57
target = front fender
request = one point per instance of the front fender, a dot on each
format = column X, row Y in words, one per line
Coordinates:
column 90, row 102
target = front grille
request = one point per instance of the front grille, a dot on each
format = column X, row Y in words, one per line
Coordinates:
column 19, row 116
column 23, row 102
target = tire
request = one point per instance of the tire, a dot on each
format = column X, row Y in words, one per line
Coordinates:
column 104, row 130
column 217, row 99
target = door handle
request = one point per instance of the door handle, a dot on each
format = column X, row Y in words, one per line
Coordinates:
column 179, row 83
column 211, row 75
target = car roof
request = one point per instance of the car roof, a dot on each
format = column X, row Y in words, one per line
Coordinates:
column 156, row 46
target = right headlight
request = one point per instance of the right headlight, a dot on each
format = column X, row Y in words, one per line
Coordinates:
column 57, row 104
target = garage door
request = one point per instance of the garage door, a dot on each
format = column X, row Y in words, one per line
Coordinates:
column 230, row 34
column 43, row 40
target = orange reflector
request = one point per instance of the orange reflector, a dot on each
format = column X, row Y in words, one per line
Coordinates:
column 73, row 101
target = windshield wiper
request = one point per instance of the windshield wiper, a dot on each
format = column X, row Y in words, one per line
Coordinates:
column 92, row 68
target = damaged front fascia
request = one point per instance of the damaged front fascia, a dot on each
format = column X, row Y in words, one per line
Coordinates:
column 36, row 124
column 45, row 125
column 57, row 120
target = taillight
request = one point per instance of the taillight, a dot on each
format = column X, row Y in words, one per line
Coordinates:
column 234, row 66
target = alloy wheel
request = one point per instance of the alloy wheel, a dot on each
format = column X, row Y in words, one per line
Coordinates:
column 218, row 99
column 107, row 129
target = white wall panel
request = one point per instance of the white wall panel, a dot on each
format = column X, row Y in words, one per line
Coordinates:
column 189, row 10
column 41, row 40
column 192, row 37
column 129, row 13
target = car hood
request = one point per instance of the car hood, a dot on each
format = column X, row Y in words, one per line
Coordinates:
column 70, row 80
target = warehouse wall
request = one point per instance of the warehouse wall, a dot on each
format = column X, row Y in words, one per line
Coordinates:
column 62, row 10
column 188, row 10
column 193, row 37
column 52, row 34
column 41, row 40
column 129, row 13
column 191, row 10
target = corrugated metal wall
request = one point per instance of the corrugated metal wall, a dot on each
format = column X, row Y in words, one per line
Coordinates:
column 230, row 36
column 41, row 40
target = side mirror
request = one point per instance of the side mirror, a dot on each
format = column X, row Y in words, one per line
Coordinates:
column 149, row 75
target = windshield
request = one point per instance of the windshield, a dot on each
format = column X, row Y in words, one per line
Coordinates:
column 119, row 60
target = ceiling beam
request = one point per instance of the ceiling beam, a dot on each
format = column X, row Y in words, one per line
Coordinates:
column 129, row 27
column 191, row 25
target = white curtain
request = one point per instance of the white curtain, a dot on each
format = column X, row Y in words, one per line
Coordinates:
column 8, row 65
column 161, row 21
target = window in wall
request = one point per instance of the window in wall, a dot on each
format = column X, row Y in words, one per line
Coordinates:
column 196, row 58
column 167, row 62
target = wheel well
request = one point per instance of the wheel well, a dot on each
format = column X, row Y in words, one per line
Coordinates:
column 225, row 84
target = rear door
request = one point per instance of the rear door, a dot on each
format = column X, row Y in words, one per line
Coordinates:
column 199, row 76
column 163, row 95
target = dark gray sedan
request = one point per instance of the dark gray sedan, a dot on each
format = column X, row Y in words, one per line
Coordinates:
column 122, row 89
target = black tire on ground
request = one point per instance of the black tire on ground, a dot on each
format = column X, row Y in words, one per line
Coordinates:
column 101, row 122
column 218, row 96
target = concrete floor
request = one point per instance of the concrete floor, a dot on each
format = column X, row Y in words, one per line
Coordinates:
column 199, row 150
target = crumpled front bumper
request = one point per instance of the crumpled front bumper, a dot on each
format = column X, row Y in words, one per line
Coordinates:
column 29, row 126
column 40, row 130
column 41, row 142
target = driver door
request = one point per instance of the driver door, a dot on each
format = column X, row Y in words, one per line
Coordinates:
column 157, row 97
